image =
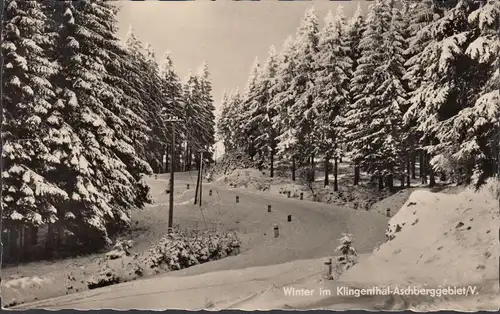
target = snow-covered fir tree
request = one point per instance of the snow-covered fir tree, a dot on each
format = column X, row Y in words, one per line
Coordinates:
column 200, row 129
column 449, row 84
column 224, row 123
column 234, row 112
column 145, row 74
column 299, row 137
column 261, row 114
column 283, row 97
column 31, row 130
column 391, row 101
column 92, row 168
column 476, row 127
column 355, row 30
column 174, row 105
column 332, row 88
column 247, row 133
column 207, row 134
column 368, row 130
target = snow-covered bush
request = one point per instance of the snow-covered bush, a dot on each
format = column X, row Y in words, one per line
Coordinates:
column 120, row 249
column 348, row 257
column 183, row 249
column 174, row 252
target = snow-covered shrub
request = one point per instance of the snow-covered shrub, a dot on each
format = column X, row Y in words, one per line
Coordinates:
column 106, row 277
column 348, row 257
column 183, row 249
column 120, row 249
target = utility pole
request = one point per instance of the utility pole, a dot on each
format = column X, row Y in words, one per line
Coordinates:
column 197, row 186
column 200, row 180
column 172, row 120
column 201, row 174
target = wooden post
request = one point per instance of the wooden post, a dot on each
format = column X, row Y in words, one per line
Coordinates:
column 276, row 231
column 268, row 208
column 289, row 218
column 289, row 194
column 330, row 267
column 210, row 193
column 237, row 199
column 301, row 195
column 388, row 212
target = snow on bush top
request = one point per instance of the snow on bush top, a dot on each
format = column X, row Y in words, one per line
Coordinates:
column 441, row 240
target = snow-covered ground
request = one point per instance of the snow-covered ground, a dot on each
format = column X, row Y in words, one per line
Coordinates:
column 312, row 233
column 444, row 240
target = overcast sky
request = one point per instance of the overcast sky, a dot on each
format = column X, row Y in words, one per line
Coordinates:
column 228, row 35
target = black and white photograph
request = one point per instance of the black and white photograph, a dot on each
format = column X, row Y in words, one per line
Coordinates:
column 250, row 155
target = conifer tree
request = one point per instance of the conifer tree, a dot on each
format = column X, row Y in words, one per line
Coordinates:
column 207, row 134
column 281, row 101
column 360, row 121
column 261, row 114
column 477, row 127
column 448, row 85
column 248, row 131
column 32, row 130
column 174, row 104
column 300, row 138
column 92, row 170
column 355, row 31
column 332, row 84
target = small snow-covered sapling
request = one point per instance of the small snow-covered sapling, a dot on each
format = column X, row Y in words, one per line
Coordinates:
column 348, row 257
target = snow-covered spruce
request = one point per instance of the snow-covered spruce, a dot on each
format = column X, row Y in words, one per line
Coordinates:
column 408, row 81
column 81, row 124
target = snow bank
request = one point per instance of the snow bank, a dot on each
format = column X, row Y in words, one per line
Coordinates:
column 437, row 239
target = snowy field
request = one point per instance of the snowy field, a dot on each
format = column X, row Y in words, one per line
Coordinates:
column 444, row 240
column 312, row 233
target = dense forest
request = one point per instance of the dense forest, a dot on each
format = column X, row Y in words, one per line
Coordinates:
column 408, row 82
column 85, row 118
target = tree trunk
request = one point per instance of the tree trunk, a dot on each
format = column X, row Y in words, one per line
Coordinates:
column 421, row 165
column 327, row 168
column 293, row 168
column 313, row 165
column 380, row 182
column 335, row 174
column 413, row 162
column 408, row 170
column 356, row 173
column 424, row 167
column 432, row 177
column 272, row 163
column 390, row 182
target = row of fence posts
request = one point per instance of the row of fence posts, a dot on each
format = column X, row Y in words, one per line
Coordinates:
column 276, row 230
